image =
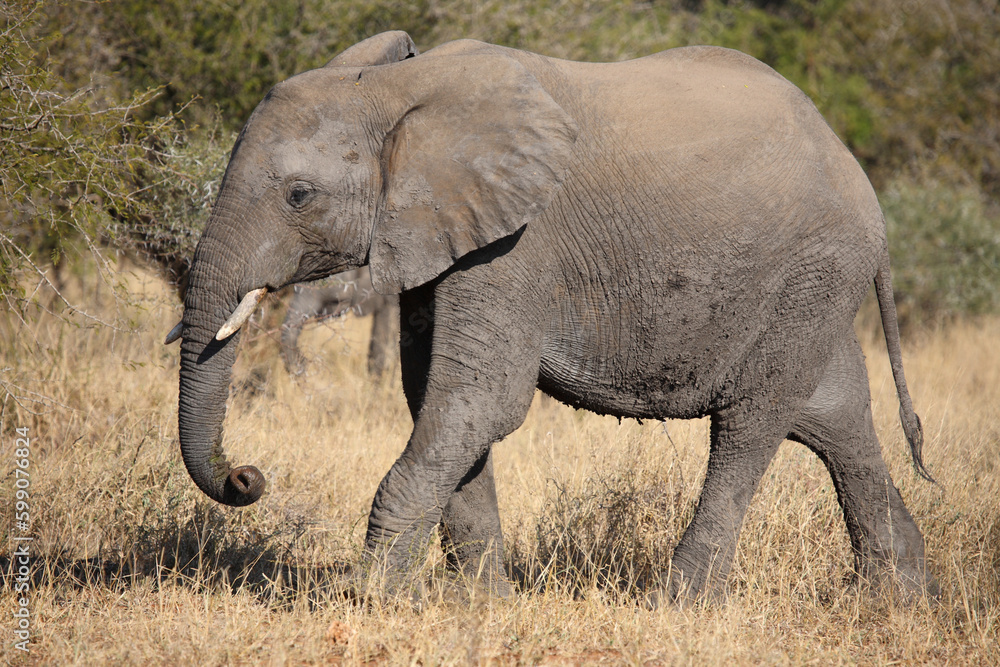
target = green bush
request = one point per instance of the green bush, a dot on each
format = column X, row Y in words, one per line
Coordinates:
column 905, row 84
column 66, row 158
column 180, row 184
column 93, row 149
column 945, row 252
column 80, row 171
column 224, row 54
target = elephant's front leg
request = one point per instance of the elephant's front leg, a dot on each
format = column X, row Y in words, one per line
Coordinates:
column 471, row 535
column 482, row 367
column 445, row 475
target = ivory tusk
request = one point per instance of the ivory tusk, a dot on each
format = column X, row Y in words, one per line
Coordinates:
column 174, row 334
column 242, row 313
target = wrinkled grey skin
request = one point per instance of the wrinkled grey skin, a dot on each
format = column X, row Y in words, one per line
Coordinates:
column 348, row 291
column 676, row 236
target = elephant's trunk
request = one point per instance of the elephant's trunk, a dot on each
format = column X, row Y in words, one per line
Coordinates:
column 206, row 369
column 204, row 388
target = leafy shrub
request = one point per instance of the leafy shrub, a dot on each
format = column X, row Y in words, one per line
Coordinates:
column 81, row 171
column 225, row 54
column 65, row 159
column 92, row 148
column 945, row 251
column 180, row 185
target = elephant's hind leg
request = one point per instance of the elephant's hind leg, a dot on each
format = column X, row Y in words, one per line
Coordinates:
column 744, row 439
column 836, row 424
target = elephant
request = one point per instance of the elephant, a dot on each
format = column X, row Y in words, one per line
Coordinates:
column 676, row 236
column 348, row 291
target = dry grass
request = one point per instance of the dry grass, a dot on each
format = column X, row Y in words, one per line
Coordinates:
column 133, row 565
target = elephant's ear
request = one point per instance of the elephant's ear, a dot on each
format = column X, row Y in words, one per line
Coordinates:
column 381, row 49
column 478, row 150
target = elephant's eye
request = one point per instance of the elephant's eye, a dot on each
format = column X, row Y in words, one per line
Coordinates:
column 300, row 194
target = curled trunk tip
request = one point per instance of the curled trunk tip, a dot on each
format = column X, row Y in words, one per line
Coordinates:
column 244, row 486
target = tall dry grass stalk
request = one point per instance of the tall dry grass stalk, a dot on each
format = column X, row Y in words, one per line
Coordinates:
column 133, row 565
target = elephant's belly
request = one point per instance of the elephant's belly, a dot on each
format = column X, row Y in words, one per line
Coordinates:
column 646, row 370
column 638, row 401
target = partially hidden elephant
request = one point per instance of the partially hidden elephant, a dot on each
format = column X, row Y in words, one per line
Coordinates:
column 349, row 291
column 676, row 236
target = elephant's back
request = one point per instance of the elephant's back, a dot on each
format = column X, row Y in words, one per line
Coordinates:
column 706, row 95
column 712, row 57
column 715, row 134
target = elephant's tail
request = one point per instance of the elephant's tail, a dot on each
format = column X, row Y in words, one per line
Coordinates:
column 887, row 308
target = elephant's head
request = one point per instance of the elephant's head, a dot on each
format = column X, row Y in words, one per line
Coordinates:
column 379, row 158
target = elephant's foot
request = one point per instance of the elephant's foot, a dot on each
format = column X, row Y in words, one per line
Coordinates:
column 449, row 587
column 478, row 561
column 690, row 581
column 889, row 552
column 382, row 580
column 372, row 585
column 376, row 582
column 480, row 568
column 400, row 572
column 471, row 535
column 903, row 580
